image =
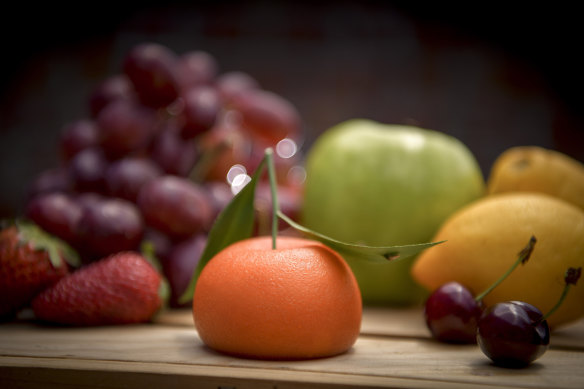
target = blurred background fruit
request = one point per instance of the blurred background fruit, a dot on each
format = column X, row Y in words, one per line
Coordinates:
column 178, row 85
column 178, row 265
column 384, row 185
column 164, row 147
column 536, row 169
column 494, row 78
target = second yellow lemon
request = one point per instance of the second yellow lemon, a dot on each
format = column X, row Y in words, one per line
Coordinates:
column 536, row 169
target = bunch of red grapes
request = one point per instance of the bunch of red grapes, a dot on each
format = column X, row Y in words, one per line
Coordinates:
column 166, row 144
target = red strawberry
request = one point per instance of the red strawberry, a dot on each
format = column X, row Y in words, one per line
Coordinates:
column 30, row 261
column 122, row 288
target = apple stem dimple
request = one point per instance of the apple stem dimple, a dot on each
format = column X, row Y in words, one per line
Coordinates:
column 522, row 258
column 571, row 278
column 269, row 153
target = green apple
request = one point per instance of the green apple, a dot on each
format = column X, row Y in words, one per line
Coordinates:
column 384, row 185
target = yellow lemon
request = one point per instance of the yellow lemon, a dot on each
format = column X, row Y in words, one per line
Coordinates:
column 484, row 238
column 536, row 169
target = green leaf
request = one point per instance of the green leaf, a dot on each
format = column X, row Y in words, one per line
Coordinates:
column 371, row 253
column 148, row 251
column 43, row 241
column 164, row 292
column 233, row 224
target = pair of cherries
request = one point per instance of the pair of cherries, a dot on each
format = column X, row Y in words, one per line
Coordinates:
column 511, row 334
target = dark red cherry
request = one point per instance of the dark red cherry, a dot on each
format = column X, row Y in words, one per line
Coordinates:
column 452, row 311
column 452, row 314
column 513, row 334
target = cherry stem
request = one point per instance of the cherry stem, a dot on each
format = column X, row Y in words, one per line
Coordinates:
column 274, row 192
column 571, row 278
column 522, row 258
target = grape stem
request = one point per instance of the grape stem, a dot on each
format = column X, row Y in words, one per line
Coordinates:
column 269, row 153
column 522, row 258
column 208, row 158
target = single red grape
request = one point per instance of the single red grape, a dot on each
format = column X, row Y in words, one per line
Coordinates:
column 125, row 127
column 110, row 225
column 57, row 213
column 201, row 108
column 175, row 206
column 124, row 177
column 151, row 67
column 87, row 169
column 196, row 68
column 77, row 136
column 112, row 88
column 179, row 265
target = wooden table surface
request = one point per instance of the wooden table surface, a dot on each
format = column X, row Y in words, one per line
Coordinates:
column 394, row 350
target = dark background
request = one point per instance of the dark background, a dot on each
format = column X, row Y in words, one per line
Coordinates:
column 493, row 75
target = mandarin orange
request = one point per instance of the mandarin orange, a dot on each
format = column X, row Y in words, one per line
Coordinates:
column 298, row 301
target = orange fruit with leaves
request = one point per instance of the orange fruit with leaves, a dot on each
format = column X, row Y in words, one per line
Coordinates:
column 297, row 301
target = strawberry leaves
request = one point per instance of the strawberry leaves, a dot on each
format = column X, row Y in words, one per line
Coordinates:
column 43, row 241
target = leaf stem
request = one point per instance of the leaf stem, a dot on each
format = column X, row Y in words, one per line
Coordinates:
column 269, row 153
column 376, row 254
column 523, row 256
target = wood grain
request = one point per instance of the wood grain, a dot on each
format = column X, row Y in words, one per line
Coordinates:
column 393, row 351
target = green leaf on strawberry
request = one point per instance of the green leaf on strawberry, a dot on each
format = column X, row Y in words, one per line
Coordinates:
column 148, row 251
column 30, row 261
column 43, row 241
